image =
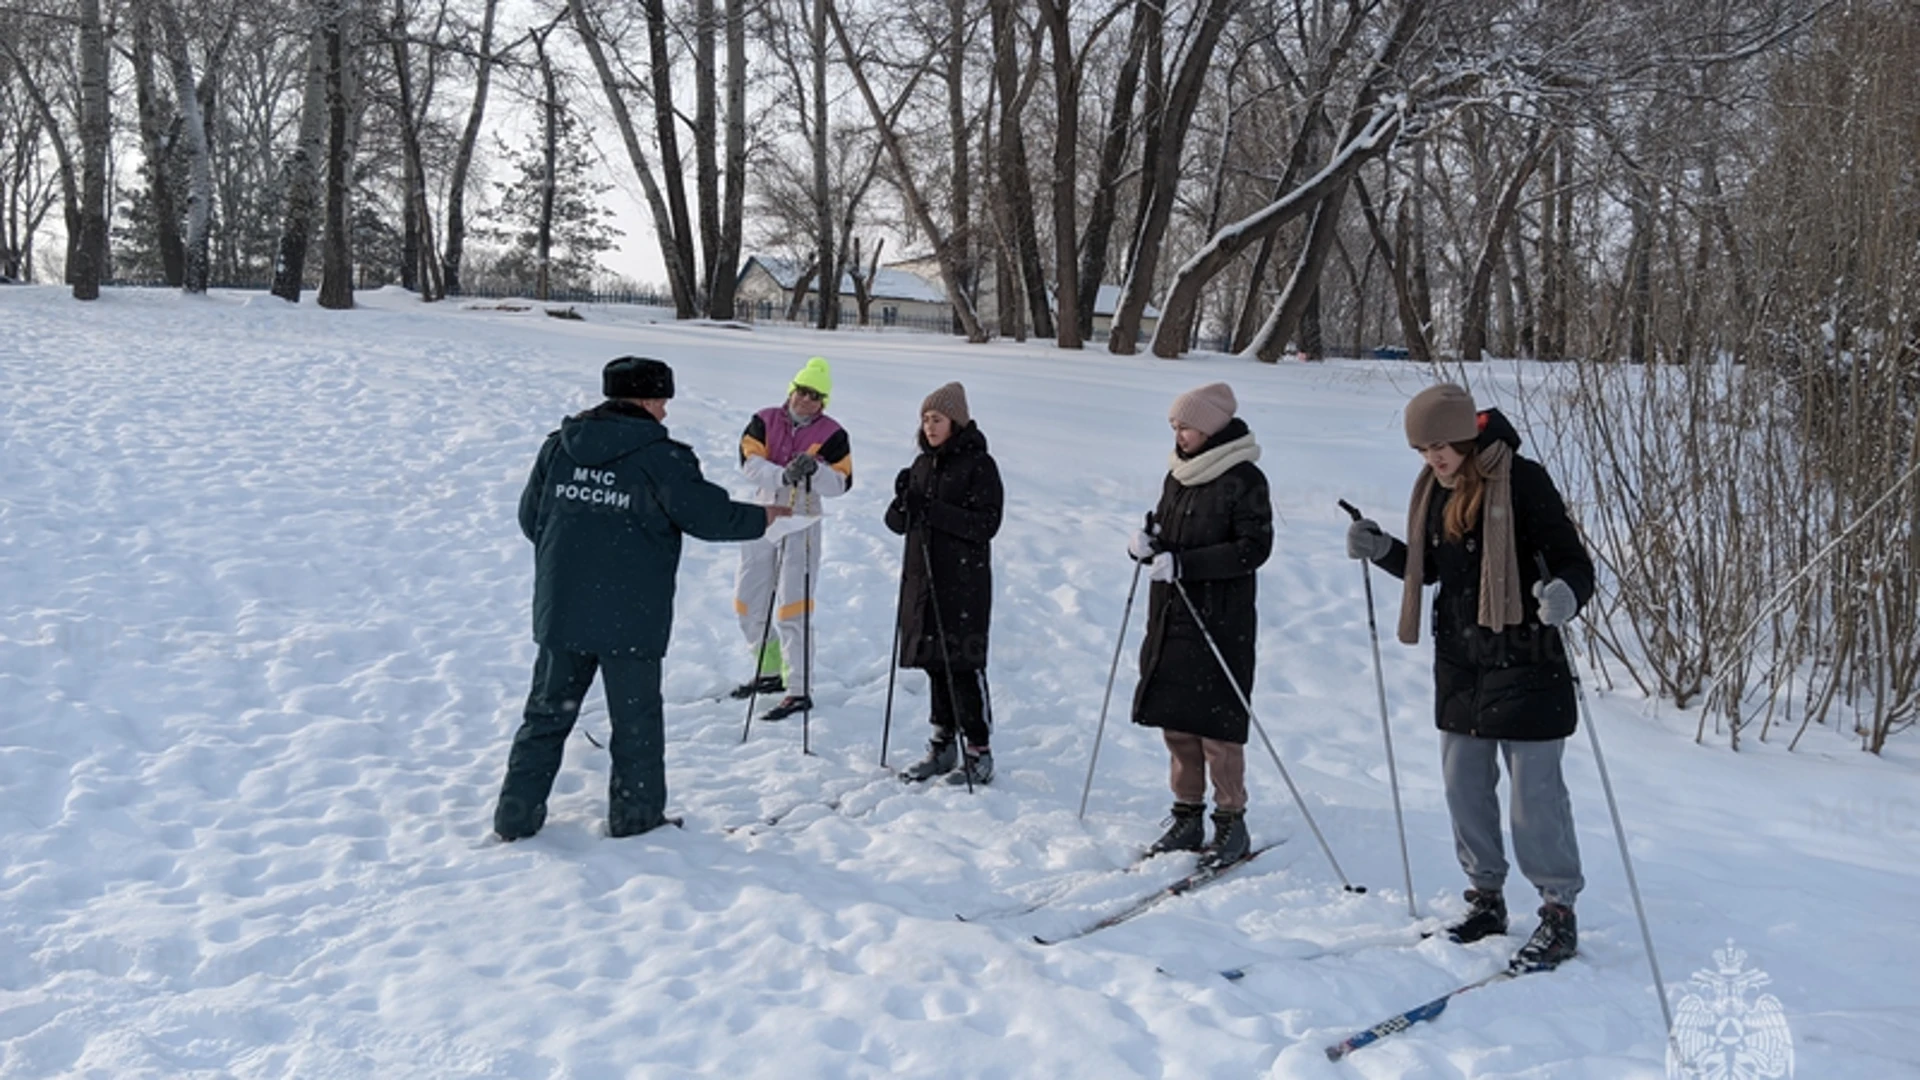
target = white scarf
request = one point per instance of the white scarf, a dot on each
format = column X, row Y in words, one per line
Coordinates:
column 1207, row 466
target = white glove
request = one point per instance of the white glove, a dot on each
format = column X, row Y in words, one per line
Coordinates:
column 1164, row 567
column 1141, row 547
column 1558, row 605
column 1366, row 541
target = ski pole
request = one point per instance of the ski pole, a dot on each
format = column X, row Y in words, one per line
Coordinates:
column 806, row 629
column 893, row 657
column 946, row 656
column 1180, row 587
column 1386, row 729
column 1613, row 810
column 1113, row 669
column 766, row 634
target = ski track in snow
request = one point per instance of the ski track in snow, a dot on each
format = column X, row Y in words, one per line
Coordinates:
column 263, row 643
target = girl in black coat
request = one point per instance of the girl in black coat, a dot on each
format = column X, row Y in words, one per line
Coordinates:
column 1482, row 519
column 1212, row 529
column 948, row 504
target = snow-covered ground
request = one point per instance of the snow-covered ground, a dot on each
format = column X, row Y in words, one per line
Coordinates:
column 264, row 639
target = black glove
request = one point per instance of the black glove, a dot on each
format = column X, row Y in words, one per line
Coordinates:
column 901, row 481
column 800, row 468
column 917, row 504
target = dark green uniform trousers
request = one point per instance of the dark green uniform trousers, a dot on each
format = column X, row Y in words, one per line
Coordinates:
column 637, row 789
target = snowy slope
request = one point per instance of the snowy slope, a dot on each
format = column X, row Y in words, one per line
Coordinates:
column 263, row 641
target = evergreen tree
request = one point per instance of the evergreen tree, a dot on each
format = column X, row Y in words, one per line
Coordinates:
column 581, row 229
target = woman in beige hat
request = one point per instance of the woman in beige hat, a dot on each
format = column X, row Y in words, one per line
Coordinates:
column 1212, row 530
column 1481, row 520
column 948, row 505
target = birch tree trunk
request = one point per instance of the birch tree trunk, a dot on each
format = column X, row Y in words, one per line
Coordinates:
column 157, row 144
column 88, row 265
column 300, row 174
column 336, row 274
column 200, row 165
column 724, row 272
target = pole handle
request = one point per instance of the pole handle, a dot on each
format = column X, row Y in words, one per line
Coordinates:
column 1352, row 510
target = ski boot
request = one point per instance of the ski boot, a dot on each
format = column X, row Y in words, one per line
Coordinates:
column 976, row 768
column 789, row 705
column 1230, row 842
column 1486, row 916
column 1553, row 942
column 762, row 686
column 1186, row 830
column 941, row 758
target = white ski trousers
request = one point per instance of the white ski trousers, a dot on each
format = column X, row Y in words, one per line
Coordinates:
column 797, row 557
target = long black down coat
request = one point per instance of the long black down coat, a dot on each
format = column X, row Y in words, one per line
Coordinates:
column 948, row 504
column 1512, row 683
column 1220, row 532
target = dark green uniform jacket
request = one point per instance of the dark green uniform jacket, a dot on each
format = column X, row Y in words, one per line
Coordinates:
column 605, row 507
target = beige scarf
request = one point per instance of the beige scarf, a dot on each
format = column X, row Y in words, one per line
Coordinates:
column 1499, row 562
column 1201, row 468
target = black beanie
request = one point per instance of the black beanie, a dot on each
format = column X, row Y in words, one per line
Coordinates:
column 636, row 377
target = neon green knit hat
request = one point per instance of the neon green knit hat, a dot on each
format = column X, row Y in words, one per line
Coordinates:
column 816, row 376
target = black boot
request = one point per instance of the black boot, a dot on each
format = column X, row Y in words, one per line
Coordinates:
column 941, row 758
column 1186, row 830
column 761, row 686
column 1553, row 942
column 1486, row 916
column 1230, row 842
column 789, row 705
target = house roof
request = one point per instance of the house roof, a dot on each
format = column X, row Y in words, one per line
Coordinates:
column 888, row 283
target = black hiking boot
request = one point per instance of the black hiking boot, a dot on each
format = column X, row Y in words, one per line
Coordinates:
column 1230, row 842
column 976, row 768
column 941, row 758
column 789, row 705
column 1486, row 916
column 763, row 686
column 1553, row 942
column 1186, row 830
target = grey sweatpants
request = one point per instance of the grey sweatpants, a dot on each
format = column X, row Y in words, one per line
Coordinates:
column 1542, row 818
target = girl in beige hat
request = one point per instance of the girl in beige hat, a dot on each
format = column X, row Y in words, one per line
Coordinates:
column 1211, row 531
column 1481, row 520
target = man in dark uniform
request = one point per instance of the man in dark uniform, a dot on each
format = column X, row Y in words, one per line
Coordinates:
column 608, row 499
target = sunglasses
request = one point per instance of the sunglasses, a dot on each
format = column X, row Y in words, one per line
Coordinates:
column 809, row 393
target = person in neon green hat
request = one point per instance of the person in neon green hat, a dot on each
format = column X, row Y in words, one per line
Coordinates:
column 795, row 455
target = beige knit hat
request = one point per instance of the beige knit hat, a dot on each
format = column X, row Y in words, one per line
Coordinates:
column 1442, row 413
column 949, row 401
column 1205, row 408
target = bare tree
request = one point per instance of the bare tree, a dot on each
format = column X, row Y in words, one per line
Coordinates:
column 300, row 174
column 457, row 178
column 884, row 123
column 1162, row 166
column 338, row 32
column 89, row 262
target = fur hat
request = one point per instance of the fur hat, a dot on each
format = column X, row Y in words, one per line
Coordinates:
column 949, row 401
column 636, row 377
column 1442, row 413
column 815, row 376
column 1205, row 408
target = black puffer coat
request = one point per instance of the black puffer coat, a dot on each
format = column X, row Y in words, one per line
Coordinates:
column 948, row 504
column 1512, row 683
column 1220, row 531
